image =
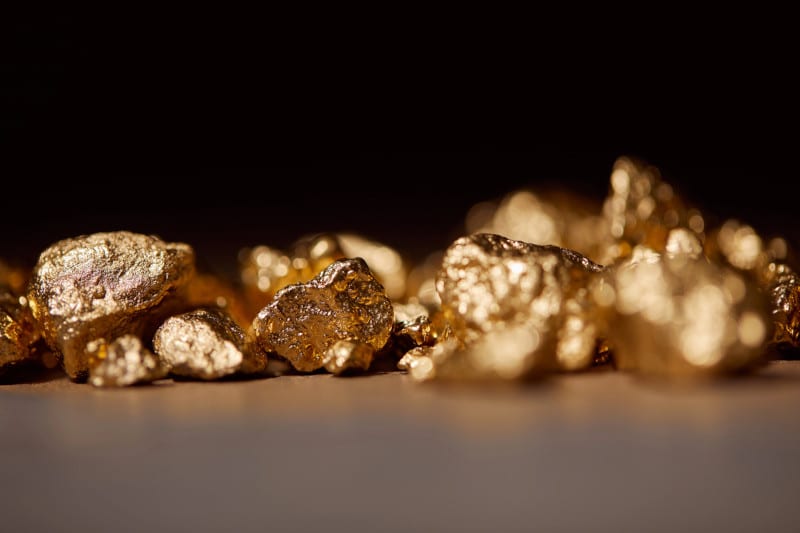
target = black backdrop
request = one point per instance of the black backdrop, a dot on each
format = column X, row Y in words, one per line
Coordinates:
column 222, row 135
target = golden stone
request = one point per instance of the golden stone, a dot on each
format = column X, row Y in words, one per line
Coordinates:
column 206, row 344
column 782, row 285
column 18, row 331
column 641, row 209
column 412, row 325
column 123, row 362
column 347, row 356
column 104, row 286
column 684, row 316
column 264, row 271
column 344, row 302
column 490, row 284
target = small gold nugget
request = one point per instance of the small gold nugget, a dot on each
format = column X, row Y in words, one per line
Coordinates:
column 264, row 270
column 122, row 363
column 17, row 330
column 490, row 284
column 344, row 302
column 783, row 288
column 679, row 315
column 103, row 286
column 206, row 344
column 345, row 356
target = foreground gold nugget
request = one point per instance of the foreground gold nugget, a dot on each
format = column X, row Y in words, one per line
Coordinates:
column 206, row 344
column 17, row 330
column 344, row 302
column 346, row 356
column 679, row 315
column 517, row 291
column 103, row 286
column 122, row 362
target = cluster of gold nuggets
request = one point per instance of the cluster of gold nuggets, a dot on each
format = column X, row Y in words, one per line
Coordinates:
column 641, row 284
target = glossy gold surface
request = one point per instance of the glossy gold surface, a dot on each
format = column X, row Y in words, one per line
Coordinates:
column 344, row 302
column 103, row 286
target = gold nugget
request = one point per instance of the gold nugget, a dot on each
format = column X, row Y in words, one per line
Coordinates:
column 641, row 209
column 103, row 286
column 344, row 302
column 264, row 270
column 684, row 316
column 123, row 362
column 18, row 331
column 490, row 284
column 782, row 285
column 206, row 344
column 347, row 356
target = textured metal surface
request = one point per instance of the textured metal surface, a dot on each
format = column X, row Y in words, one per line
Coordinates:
column 344, row 302
column 103, row 286
column 17, row 330
column 534, row 297
column 348, row 356
column 206, row 344
column 122, row 362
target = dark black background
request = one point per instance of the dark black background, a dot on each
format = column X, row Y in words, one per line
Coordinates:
column 225, row 132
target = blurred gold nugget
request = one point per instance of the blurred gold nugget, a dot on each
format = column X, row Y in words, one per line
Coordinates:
column 206, row 344
column 209, row 290
column 104, row 286
column 122, row 363
column 767, row 262
column 641, row 209
column 682, row 315
column 553, row 217
column 344, row 302
column 500, row 291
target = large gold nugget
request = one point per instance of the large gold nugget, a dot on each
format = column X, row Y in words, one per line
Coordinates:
column 103, row 286
column 344, row 302
column 17, row 330
column 123, row 362
column 206, row 344
column 684, row 316
column 490, row 284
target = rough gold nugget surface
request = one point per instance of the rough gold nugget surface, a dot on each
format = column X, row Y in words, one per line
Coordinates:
column 17, row 330
column 346, row 356
column 344, row 302
column 206, row 344
column 122, row 362
column 103, row 286
column 265, row 270
column 490, row 284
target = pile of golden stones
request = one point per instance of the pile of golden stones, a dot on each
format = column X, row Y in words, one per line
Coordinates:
column 542, row 283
